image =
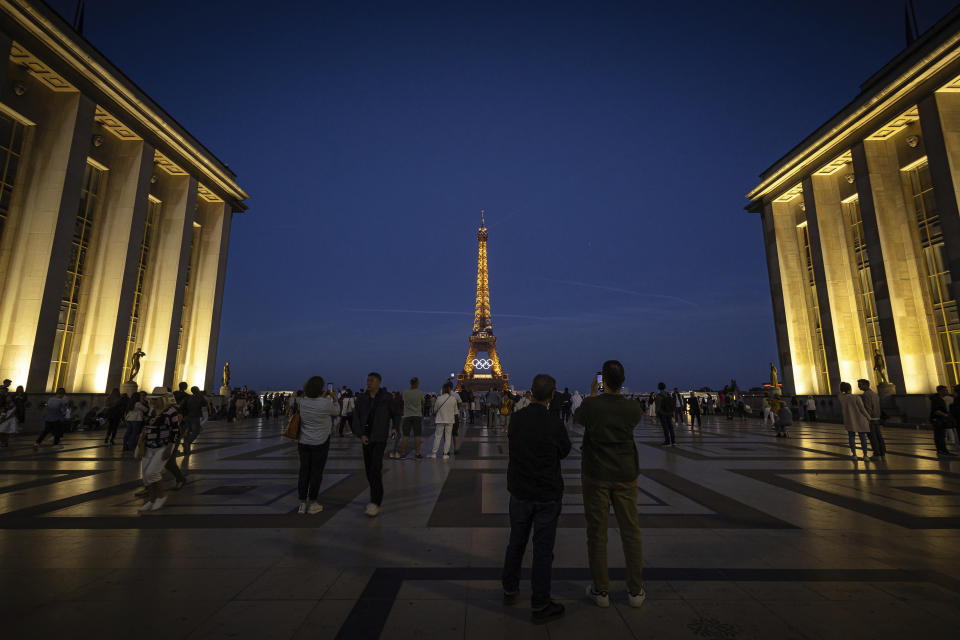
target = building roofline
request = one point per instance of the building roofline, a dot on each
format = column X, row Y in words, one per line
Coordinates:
column 41, row 22
column 877, row 94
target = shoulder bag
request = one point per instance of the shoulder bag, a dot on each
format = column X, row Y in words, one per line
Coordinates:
column 293, row 426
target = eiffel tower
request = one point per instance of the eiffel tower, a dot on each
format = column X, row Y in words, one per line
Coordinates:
column 482, row 374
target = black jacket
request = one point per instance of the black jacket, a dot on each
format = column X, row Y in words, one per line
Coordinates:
column 371, row 416
column 538, row 442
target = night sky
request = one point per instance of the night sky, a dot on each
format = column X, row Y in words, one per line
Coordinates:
column 611, row 145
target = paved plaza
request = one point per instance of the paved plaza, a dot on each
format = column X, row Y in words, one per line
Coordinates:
column 745, row 536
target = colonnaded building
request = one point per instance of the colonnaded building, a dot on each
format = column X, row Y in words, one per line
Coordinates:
column 114, row 221
column 862, row 230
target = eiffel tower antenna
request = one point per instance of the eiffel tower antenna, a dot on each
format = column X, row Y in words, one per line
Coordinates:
column 482, row 374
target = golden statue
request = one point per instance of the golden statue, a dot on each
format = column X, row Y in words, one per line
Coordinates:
column 226, row 374
column 774, row 380
column 135, row 363
column 880, row 366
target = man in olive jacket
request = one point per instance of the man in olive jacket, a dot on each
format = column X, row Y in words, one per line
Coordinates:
column 610, row 467
column 372, row 416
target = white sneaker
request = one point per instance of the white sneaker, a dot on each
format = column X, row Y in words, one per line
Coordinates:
column 636, row 601
column 601, row 599
column 147, row 506
column 432, row 455
column 158, row 503
column 303, row 508
column 372, row 509
column 314, row 508
column 446, row 456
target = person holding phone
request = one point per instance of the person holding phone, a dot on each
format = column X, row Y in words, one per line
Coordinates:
column 610, row 466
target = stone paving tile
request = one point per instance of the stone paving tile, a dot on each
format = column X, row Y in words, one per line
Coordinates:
column 291, row 583
column 425, row 619
column 324, row 620
column 255, row 619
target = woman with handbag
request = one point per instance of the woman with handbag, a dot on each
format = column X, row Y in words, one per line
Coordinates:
column 317, row 408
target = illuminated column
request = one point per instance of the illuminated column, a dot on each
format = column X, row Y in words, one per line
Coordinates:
column 851, row 360
column 823, row 292
column 108, row 294
column 940, row 123
column 225, row 223
column 34, row 277
column 900, row 298
column 776, row 294
column 164, row 288
column 793, row 281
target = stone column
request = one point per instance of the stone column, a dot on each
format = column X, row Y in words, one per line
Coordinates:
column 163, row 291
column 823, row 292
column 108, row 292
column 940, row 123
column 223, row 245
column 901, row 307
column 853, row 361
column 793, row 281
column 33, row 282
column 776, row 295
column 176, row 318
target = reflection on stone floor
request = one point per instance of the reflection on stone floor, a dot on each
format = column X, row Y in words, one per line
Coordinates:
column 745, row 535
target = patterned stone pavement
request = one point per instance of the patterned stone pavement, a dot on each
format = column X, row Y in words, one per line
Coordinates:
column 745, row 536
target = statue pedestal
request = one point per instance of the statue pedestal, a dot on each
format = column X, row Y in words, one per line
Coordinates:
column 225, row 391
column 886, row 391
column 129, row 388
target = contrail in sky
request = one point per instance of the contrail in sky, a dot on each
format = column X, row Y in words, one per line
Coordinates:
column 630, row 292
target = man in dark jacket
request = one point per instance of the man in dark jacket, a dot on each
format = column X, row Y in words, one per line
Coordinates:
column 941, row 421
column 538, row 442
column 372, row 416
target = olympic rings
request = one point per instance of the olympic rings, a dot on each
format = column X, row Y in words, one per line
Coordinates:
column 482, row 363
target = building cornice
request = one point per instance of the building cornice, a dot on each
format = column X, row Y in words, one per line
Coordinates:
column 931, row 59
column 136, row 106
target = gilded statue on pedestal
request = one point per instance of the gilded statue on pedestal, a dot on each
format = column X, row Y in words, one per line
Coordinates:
column 226, row 374
column 774, row 380
column 135, row 363
column 880, row 366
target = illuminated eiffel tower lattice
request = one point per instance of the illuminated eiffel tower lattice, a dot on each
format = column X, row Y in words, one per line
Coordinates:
column 482, row 374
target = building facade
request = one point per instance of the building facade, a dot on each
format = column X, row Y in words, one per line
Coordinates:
column 114, row 221
column 862, row 231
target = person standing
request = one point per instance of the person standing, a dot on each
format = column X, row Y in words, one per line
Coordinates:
column 855, row 419
column 8, row 419
column 678, row 412
column 318, row 408
column 871, row 402
column 693, row 404
column 138, row 412
column 941, row 420
column 768, row 415
column 193, row 406
column 446, row 415
column 506, row 410
column 610, row 467
column 371, row 423
column 537, row 443
column 53, row 416
column 346, row 413
column 21, row 403
column 412, row 418
column 665, row 410
column 115, row 409
column 493, row 408
column 811, row 407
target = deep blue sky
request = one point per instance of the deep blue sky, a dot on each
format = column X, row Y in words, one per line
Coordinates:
column 610, row 144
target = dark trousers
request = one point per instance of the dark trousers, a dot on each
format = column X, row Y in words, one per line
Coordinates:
column 695, row 417
column 344, row 424
column 939, row 437
column 313, row 458
column 667, row 425
column 542, row 518
column 172, row 466
column 877, row 443
column 112, row 425
column 132, row 435
column 811, row 415
column 373, row 463
column 53, row 428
